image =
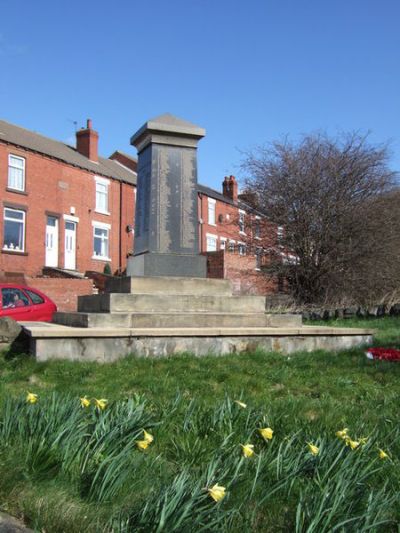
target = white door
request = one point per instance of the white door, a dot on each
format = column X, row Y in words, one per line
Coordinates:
column 70, row 246
column 52, row 242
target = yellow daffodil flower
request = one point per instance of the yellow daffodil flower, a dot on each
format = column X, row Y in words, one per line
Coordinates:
column 363, row 440
column 382, row 454
column 247, row 449
column 85, row 402
column 314, row 450
column 101, row 404
column 241, row 404
column 354, row 444
column 217, row 492
column 266, row 433
column 31, row 397
column 142, row 444
column 342, row 434
column 147, row 436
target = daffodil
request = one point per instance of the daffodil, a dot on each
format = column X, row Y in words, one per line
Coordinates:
column 247, row 449
column 314, row 450
column 382, row 454
column 31, row 397
column 266, row 433
column 363, row 440
column 241, row 404
column 101, row 404
column 354, row 444
column 217, row 492
column 342, row 434
column 142, row 444
column 85, row 402
column 147, row 436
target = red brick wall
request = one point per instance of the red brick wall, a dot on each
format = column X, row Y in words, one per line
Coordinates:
column 245, row 278
column 241, row 270
column 55, row 187
column 227, row 226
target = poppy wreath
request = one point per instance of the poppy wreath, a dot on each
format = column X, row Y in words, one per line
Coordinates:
column 387, row 354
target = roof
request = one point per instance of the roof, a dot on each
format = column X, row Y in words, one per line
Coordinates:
column 212, row 193
column 9, row 133
column 128, row 156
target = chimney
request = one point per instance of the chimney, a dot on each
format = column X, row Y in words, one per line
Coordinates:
column 87, row 141
column 230, row 188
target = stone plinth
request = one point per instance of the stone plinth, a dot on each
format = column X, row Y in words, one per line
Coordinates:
column 161, row 316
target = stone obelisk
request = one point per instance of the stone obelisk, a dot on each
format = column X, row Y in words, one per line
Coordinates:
column 166, row 222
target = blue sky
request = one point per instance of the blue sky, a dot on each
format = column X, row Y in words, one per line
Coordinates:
column 248, row 72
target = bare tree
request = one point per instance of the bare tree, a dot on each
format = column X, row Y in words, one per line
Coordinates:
column 334, row 199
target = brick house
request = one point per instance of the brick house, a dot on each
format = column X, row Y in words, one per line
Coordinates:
column 66, row 207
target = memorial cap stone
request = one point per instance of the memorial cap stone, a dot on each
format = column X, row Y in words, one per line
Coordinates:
column 166, row 220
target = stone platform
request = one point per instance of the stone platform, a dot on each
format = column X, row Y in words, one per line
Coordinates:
column 161, row 316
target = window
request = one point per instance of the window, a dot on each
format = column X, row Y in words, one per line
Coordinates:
column 102, row 195
column 231, row 246
column 211, row 243
column 36, row 299
column 12, row 297
column 241, row 248
column 14, row 230
column 257, row 228
column 259, row 252
column 101, row 238
column 241, row 221
column 211, row 211
column 222, row 245
column 279, row 233
column 16, row 173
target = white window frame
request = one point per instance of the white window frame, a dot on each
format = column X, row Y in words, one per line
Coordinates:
column 231, row 243
column 242, row 223
column 103, row 183
column 23, row 222
column 257, row 225
column 258, row 254
column 211, row 210
column 222, row 245
column 107, row 228
column 242, row 248
column 211, row 236
column 11, row 166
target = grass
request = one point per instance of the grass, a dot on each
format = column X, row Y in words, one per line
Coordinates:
column 65, row 468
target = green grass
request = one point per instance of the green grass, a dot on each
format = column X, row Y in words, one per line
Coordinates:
column 64, row 468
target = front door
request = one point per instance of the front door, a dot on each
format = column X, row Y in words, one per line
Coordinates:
column 70, row 246
column 52, row 241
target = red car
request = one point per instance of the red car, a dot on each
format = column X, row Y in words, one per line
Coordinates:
column 25, row 304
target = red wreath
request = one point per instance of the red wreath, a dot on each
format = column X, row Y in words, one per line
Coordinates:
column 386, row 354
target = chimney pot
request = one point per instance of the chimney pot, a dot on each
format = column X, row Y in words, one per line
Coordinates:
column 89, row 124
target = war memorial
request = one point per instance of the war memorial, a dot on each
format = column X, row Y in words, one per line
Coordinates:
column 165, row 304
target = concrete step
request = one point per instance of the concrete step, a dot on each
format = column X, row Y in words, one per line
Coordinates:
column 175, row 320
column 166, row 303
column 93, row 320
column 169, row 285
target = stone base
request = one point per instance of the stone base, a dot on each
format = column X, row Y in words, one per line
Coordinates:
column 155, row 264
column 50, row 341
